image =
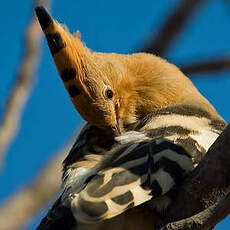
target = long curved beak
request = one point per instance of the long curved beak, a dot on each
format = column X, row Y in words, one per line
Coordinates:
column 117, row 127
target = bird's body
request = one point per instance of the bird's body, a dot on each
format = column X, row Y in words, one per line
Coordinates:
column 190, row 127
column 162, row 127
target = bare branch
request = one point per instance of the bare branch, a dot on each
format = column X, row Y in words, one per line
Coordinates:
column 207, row 184
column 21, row 89
column 24, row 204
column 218, row 212
column 172, row 26
column 207, row 66
column 204, row 220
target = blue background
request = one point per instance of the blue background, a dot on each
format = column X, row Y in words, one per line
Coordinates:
column 107, row 26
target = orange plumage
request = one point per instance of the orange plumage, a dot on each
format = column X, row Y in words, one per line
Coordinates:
column 140, row 83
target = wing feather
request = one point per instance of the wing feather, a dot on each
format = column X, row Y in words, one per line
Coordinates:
column 139, row 173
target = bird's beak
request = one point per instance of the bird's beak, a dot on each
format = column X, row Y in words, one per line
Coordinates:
column 117, row 128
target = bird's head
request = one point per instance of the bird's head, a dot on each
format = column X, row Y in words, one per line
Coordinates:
column 87, row 82
column 112, row 90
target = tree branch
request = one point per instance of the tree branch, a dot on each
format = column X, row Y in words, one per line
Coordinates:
column 17, row 210
column 203, row 189
column 21, row 89
column 172, row 26
column 204, row 220
column 207, row 66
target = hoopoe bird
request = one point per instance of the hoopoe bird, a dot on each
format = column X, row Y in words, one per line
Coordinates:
column 148, row 127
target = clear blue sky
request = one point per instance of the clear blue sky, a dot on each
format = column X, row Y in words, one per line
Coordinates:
column 108, row 26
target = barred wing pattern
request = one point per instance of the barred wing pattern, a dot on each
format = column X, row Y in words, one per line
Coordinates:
column 103, row 176
column 132, row 176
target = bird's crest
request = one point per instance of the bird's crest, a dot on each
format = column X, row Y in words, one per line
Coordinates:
column 74, row 61
column 67, row 50
column 109, row 89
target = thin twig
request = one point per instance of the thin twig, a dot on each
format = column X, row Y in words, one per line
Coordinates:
column 172, row 27
column 21, row 89
column 207, row 66
column 18, row 209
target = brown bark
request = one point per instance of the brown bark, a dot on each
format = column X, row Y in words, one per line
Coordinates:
column 204, row 220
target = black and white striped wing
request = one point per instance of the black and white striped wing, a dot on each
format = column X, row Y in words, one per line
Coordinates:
column 132, row 176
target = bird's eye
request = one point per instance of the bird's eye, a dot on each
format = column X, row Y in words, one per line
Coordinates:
column 109, row 93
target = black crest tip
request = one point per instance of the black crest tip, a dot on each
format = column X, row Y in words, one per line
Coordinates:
column 43, row 17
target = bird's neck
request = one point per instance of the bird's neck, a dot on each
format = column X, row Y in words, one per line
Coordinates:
column 155, row 84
